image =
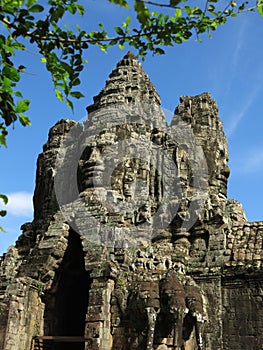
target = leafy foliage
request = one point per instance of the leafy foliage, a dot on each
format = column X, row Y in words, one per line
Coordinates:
column 3, row 212
column 159, row 24
column 27, row 21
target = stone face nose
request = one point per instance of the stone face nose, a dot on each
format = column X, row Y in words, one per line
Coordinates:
column 226, row 171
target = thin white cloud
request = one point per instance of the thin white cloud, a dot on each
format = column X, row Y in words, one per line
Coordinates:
column 19, row 204
column 236, row 119
column 239, row 45
column 249, row 161
column 237, row 55
column 254, row 161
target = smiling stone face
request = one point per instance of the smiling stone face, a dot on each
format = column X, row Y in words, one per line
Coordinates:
column 120, row 165
column 201, row 112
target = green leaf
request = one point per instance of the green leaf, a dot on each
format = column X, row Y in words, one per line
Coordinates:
column 24, row 120
column 59, row 95
column 18, row 94
column 3, row 140
column 119, row 31
column 188, row 10
column 260, row 9
column 8, row 49
column 197, row 11
column 213, row 25
column 18, row 46
column 122, row 3
column 21, row 68
column 69, row 104
column 75, row 82
column 143, row 13
column 80, row 9
column 66, row 67
column 178, row 13
column 36, row 8
column 159, row 51
column 22, row 106
column 211, row 8
column 4, row 198
column 7, row 84
column 72, row 9
column 174, row 2
column 29, row 3
column 57, row 13
column 76, row 94
column 3, row 212
column 11, row 73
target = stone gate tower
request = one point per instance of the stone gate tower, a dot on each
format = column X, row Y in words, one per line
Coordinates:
column 134, row 244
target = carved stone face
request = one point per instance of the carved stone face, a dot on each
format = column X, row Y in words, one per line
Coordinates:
column 92, row 164
column 222, row 170
column 109, row 166
column 91, row 167
column 202, row 113
column 130, row 179
column 198, row 249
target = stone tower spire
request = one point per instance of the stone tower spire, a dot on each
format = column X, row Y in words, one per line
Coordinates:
column 127, row 83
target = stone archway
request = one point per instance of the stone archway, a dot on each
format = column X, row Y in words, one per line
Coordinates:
column 67, row 301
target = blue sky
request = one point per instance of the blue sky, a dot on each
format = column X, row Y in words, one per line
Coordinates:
column 229, row 66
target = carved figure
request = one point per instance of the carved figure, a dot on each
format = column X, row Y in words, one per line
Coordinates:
column 182, row 308
column 172, row 297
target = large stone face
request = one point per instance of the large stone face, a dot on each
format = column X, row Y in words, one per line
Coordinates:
column 134, row 244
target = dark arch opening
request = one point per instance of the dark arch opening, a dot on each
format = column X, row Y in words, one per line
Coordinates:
column 67, row 303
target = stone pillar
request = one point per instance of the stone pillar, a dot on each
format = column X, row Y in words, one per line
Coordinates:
column 22, row 324
column 98, row 329
column 211, row 286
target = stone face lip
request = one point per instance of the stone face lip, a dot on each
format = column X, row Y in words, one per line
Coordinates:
column 177, row 286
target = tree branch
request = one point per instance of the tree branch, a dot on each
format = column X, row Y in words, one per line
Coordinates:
column 38, row 38
column 158, row 4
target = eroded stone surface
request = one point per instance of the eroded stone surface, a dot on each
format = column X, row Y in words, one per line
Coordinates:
column 178, row 287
